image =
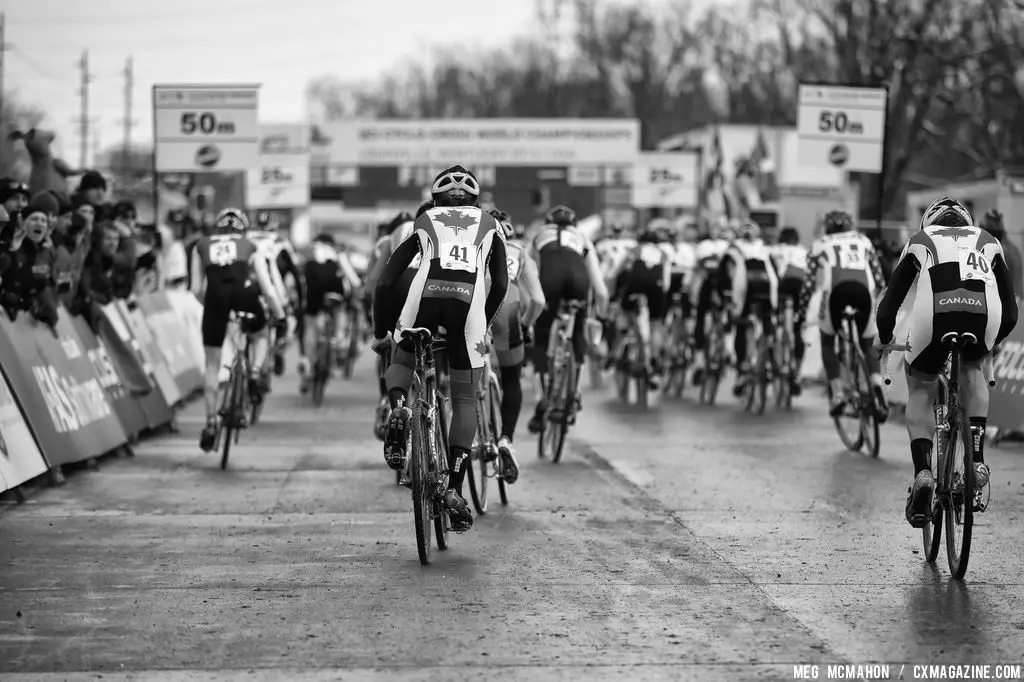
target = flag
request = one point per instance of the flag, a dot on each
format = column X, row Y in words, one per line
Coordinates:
column 762, row 168
column 715, row 195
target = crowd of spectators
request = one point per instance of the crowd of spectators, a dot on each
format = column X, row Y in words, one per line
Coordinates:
column 81, row 251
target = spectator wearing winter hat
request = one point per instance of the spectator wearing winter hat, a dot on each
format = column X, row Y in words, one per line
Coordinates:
column 86, row 210
column 92, row 188
column 29, row 283
column 14, row 195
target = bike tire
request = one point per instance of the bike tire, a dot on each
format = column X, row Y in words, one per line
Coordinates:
column 232, row 400
column 422, row 494
column 440, row 435
column 494, row 419
column 784, row 378
column 959, row 557
column 852, row 443
column 478, row 459
column 353, row 347
column 558, row 441
column 641, row 378
column 870, row 430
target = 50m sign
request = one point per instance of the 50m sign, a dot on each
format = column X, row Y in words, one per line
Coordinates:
column 193, row 122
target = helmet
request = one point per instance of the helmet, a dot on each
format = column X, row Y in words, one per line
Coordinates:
column 231, row 219
column 616, row 230
column 789, row 235
column 560, row 215
column 947, row 212
column 505, row 221
column 399, row 220
column 325, row 238
column 749, row 231
column 659, row 225
column 265, row 221
column 837, row 221
column 455, row 186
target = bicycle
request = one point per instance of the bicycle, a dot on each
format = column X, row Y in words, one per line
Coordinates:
column 560, row 393
column 716, row 355
column 384, row 406
column 859, row 402
column 427, row 463
column 953, row 441
column 785, row 356
column 679, row 357
column 755, row 389
column 349, row 343
column 631, row 359
column 325, row 346
column 232, row 410
column 488, row 431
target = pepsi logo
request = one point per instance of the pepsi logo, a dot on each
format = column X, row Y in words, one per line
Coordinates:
column 838, row 155
column 208, row 156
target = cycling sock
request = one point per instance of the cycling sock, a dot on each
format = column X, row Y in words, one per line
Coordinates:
column 921, row 450
column 979, row 438
column 829, row 357
column 383, row 387
column 511, row 399
column 396, row 394
column 458, row 459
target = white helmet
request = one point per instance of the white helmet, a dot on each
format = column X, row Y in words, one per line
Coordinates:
column 948, row 212
column 233, row 219
column 455, row 186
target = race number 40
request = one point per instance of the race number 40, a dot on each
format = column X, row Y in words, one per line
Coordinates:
column 974, row 265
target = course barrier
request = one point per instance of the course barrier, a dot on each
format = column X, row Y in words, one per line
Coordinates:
column 73, row 393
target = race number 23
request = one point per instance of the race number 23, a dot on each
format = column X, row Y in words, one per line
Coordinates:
column 974, row 266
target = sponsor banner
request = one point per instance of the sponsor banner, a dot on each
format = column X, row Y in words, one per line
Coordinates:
column 171, row 337
column 666, row 180
column 151, row 353
column 498, row 142
column 190, row 314
column 206, row 127
column 841, row 127
column 61, row 397
column 125, row 403
column 135, row 371
column 20, row 458
column 281, row 178
column 1006, row 398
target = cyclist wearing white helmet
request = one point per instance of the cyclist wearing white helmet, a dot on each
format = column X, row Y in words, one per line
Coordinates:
column 224, row 265
column 747, row 266
column 460, row 245
column 703, row 285
column 963, row 286
column 791, row 264
column 844, row 266
column 523, row 304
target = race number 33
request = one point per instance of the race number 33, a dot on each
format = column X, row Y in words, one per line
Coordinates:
column 974, row 266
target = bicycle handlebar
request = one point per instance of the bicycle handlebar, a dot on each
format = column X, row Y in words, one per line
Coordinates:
column 987, row 368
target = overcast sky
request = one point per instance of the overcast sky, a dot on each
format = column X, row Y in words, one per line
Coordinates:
column 281, row 44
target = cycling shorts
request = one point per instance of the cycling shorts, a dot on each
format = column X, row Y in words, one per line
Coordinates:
column 223, row 296
column 843, row 295
column 646, row 281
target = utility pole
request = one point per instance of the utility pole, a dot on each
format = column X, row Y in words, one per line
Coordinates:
column 129, row 82
column 83, row 123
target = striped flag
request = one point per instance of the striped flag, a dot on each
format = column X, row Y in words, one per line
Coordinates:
column 715, row 197
column 762, row 168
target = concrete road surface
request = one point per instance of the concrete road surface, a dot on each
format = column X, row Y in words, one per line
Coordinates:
column 679, row 543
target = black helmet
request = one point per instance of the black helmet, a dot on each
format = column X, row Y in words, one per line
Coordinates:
column 789, row 235
column 424, row 207
column 837, row 221
column 399, row 220
column 504, row 221
column 560, row 215
column 325, row 238
column 264, row 220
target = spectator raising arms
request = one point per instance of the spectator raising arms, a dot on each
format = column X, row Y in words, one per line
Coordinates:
column 27, row 265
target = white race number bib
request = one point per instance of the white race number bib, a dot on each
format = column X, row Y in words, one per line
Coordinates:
column 458, row 256
column 223, row 253
column 974, row 266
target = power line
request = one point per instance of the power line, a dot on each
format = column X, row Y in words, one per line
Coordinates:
column 33, row 64
column 128, row 121
column 221, row 10
column 83, row 122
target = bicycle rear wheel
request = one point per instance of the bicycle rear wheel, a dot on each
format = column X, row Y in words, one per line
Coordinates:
column 869, row 428
column 422, row 491
column 552, row 434
column 353, row 344
column 478, row 458
column 958, row 481
column 566, row 406
column 494, row 387
column 757, row 387
column 321, row 373
column 786, row 371
column 233, row 401
column 713, row 365
column 847, row 422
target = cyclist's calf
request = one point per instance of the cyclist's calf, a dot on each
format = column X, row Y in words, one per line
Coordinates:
column 974, row 389
column 920, row 416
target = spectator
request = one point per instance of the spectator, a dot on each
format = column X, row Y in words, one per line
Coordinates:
column 124, row 220
column 147, row 263
column 92, row 188
column 103, row 280
column 14, row 197
column 28, row 270
column 72, row 245
column 86, row 210
column 994, row 224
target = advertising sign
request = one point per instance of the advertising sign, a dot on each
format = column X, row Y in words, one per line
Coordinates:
column 496, row 142
column 842, row 126
column 206, row 127
column 666, row 180
column 281, row 177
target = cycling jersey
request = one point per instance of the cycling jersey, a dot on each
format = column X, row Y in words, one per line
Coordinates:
column 323, row 275
column 753, row 275
column 646, row 272
column 790, row 261
column 845, row 267
column 963, row 286
column 268, row 247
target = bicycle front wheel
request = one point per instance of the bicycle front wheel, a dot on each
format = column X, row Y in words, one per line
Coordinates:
column 958, row 500
column 439, row 454
column 869, row 428
column 847, row 422
column 476, row 472
column 494, row 418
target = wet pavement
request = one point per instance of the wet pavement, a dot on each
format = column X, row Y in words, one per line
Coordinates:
column 684, row 542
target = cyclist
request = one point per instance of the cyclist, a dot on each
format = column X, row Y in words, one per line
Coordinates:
column 268, row 246
column 748, row 266
column 684, row 262
column 523, row 303
column 458, row 242
column 708, row 254
column 224, row 265
column 287, row 266
column 964, row 286
column 791, row 264
column 323, row 275
column 647, row 271
column 844, row 265
column 568, row 269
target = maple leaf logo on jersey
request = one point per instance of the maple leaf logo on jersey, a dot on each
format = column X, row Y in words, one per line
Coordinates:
column 954, row 232
column 457, row 220
column 482, row 348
